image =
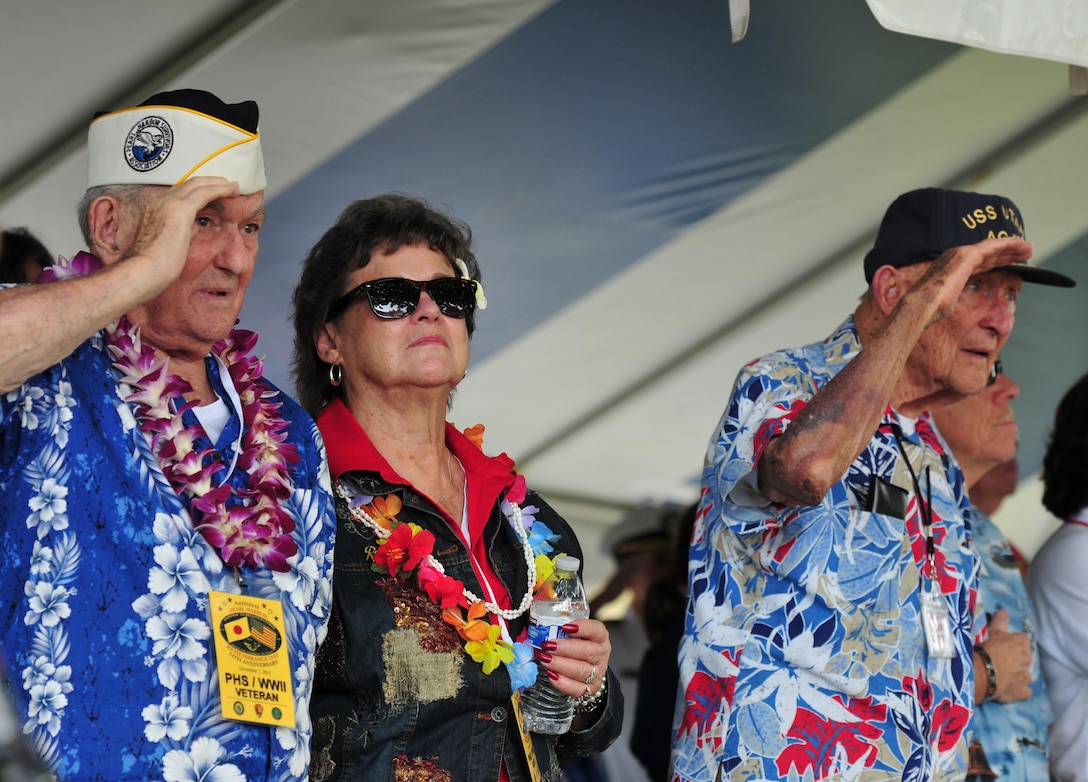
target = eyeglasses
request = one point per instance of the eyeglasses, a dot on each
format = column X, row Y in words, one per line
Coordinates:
column 396, row 297
column 996, row 370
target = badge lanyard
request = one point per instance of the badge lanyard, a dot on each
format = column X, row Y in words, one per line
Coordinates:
column 535, row 774
column 935, row 616
column 489, row 593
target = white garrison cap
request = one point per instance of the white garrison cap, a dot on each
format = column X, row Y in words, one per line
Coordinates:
column 175, row 135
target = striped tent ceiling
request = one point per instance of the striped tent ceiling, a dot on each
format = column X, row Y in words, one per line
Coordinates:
column 652, row 204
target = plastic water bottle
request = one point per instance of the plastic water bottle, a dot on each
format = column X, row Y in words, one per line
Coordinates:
column 559, row 601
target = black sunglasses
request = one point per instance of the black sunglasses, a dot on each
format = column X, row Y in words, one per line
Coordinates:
column 397, row 297
column 996, row 370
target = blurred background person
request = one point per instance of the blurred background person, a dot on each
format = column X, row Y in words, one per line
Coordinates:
column 989, row 491
column 650, row 736
column 641, row 547
column 1058, row 584
column 22, row 256
column 1009, row 723
column 439, row 546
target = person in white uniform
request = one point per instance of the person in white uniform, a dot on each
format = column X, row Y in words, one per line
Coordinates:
column 1058, row 585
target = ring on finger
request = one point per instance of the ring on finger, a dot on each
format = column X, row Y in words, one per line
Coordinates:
column 592, row 674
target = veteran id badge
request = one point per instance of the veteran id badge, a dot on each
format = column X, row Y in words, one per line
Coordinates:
column 254, row 666
column 938, row 626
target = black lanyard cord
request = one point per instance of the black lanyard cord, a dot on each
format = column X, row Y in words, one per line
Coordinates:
column 926, row 506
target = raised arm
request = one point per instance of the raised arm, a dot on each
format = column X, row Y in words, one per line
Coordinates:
column 41, row 324
column 799, row 466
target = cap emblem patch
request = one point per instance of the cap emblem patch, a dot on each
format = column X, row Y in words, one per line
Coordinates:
column 148, row 144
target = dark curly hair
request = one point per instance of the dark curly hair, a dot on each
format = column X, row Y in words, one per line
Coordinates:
column 382, row 225
column 1065, row 465
column 17, row 248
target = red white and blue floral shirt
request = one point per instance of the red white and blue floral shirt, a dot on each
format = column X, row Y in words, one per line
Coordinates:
column 804, row 655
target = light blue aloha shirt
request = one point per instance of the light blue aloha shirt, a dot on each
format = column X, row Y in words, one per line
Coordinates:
column 106, row 636
column 804, row 657
column 1013, row 735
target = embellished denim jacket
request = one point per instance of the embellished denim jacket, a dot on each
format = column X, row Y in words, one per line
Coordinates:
column 395, row 695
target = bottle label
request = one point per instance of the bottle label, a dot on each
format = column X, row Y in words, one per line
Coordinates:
column 539, row 633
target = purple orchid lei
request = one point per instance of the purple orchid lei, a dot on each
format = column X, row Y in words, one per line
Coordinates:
column 247, row 525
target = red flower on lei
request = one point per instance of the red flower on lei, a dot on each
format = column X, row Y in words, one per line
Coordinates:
column 401, row 553
column 445, row 591
column 408, row 550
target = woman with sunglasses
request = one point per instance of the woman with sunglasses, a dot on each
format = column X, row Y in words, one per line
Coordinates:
column 439, row 546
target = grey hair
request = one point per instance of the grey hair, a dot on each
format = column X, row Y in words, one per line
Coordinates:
column 129, row 195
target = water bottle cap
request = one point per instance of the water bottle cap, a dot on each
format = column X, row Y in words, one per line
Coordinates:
column 567, row 563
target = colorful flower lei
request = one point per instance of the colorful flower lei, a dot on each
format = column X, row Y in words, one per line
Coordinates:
column 406, row 551
column 247, row 525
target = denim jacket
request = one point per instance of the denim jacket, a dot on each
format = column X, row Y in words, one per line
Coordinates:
column 395, row 696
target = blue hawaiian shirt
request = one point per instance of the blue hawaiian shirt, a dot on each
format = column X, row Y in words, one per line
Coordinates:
column 106, row 637
column 1013, row 735
column 804, row 655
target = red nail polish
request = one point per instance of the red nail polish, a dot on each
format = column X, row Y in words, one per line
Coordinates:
column 552, row 675
column 544, row 657
column 549, row 646
column 570, row 629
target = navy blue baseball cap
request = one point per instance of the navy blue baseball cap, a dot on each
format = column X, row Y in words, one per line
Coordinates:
column 922, row 224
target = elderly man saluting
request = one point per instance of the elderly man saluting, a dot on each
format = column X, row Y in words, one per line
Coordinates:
column 832, row 582
column 167, row 522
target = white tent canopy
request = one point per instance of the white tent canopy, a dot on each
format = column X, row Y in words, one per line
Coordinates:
column 653, row 206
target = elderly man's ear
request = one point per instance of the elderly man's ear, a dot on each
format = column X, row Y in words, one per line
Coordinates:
column 110, row 236
column 889, row 285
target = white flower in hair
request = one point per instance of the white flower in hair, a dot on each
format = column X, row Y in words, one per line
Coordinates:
column 481, row 299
